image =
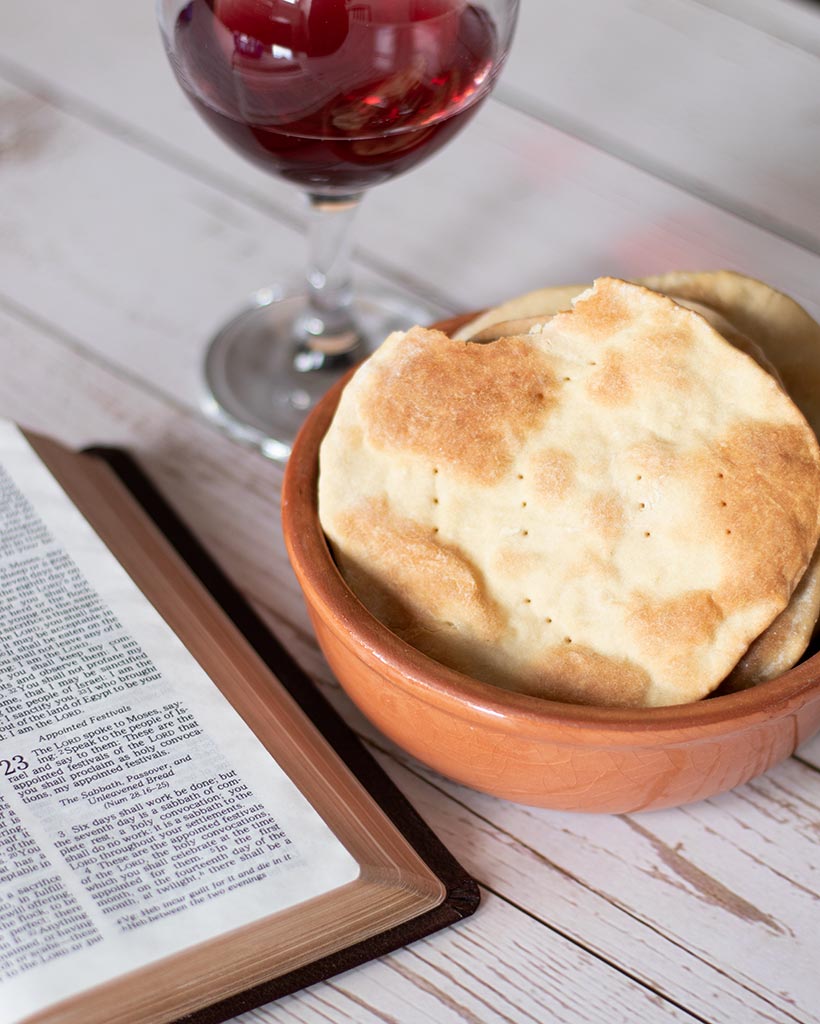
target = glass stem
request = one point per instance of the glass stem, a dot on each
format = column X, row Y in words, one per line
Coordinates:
column 326, row 333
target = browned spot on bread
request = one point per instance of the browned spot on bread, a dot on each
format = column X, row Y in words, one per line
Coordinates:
column 682, row 622
column 468, row 406
column 600, row 314
column 612, row 306
column 653, row 459
column 660, row 356
column 758, row 518
column 577, row 674
column 420, row 580
column 661, row 361
column 552, row 471
column 765, row 535
column 610, row 383
column 606, row 517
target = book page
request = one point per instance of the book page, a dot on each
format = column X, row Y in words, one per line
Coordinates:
column 139, row 815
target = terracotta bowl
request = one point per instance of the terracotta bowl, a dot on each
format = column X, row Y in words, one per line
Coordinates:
column 533, row 751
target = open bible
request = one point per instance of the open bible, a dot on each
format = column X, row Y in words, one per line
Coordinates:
column 186, row 828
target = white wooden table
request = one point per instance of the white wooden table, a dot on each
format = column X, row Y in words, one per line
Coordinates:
column 625, row 138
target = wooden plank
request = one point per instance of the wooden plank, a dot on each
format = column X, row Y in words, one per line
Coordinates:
column 498, row 967
column 730, row 883
column 600, row 882
column 545, row 863
column 707, row 101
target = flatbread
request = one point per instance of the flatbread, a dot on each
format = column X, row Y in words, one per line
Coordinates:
column 543, row 302
column 577, row 513
column 782, row 337
column 525, row 325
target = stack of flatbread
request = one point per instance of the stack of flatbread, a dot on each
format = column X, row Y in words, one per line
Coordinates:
column 613, row 500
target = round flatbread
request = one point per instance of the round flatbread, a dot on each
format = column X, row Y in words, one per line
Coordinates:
column 577, row 513
column 782, row 337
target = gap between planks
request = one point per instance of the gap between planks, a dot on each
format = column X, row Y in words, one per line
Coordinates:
column 808, row 764
column 593, row 953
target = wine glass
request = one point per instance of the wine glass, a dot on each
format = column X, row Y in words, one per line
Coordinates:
column 335, row 96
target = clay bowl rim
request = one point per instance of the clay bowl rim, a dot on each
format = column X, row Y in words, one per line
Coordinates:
column 469, row 698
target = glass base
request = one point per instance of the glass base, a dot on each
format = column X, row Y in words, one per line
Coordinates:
column 261, row 385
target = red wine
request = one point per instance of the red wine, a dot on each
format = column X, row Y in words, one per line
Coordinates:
column 335, row 95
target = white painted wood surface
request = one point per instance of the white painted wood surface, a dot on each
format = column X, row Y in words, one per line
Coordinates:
column 626, row 138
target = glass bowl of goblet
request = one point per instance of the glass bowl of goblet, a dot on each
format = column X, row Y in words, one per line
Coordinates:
column 335, row 96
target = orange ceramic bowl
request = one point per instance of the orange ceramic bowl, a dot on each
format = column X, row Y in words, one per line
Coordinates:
column 533, row 751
